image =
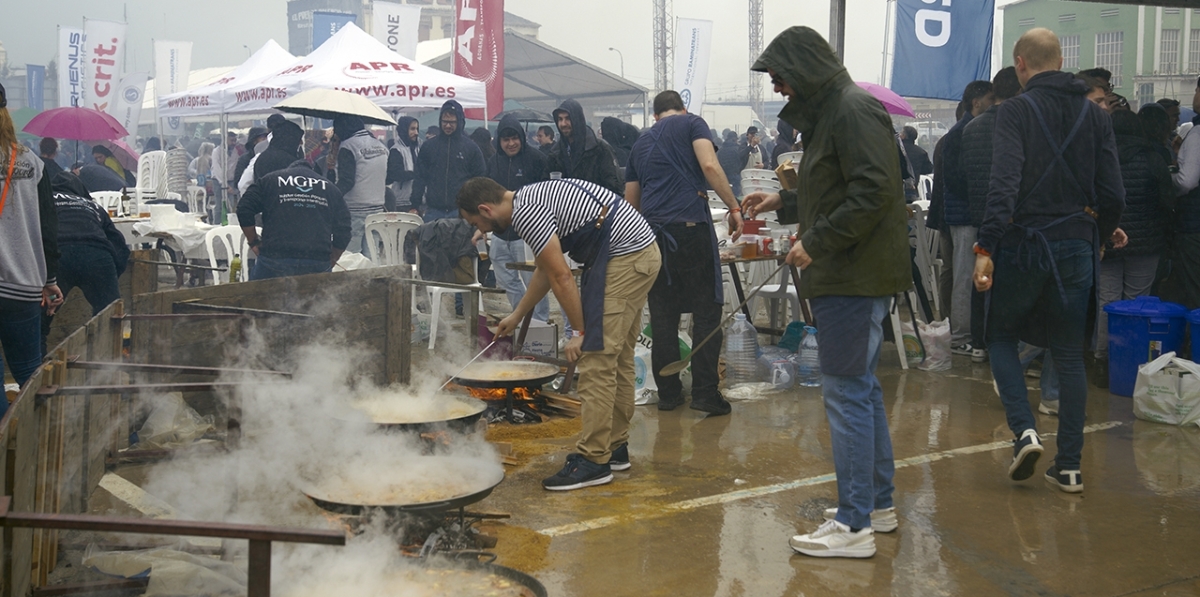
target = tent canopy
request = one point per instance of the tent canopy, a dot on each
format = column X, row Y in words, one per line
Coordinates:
column 354, row 61
column 541, row 77
column 207, row 98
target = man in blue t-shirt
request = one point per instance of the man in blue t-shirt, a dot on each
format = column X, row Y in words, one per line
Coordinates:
column 670, row 169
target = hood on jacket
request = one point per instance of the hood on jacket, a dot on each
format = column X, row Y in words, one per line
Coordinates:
column 806, row 62
column 65, row 182
column 302, row 164
column 402, row 126
column 456, row 109
column 510, row 124
column 346, row 125
column 580, row 132
column 1058, row 81
column 787, row 133
column 254, row 133
column 618, row 133
column 286, row 136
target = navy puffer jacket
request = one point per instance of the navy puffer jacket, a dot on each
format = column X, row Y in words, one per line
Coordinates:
column 1149, row 195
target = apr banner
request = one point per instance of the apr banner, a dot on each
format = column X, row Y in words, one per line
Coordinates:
column 693, row 41
column 35, row 86
column 130, row 94
column 70, row 67
column 479, row 50
column 397, row 26
column 325, row 24
column 172, row 64
column 103, row 51
column 941, row 47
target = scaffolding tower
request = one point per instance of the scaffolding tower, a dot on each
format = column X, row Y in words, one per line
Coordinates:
column 756, row 47
column 664, row 44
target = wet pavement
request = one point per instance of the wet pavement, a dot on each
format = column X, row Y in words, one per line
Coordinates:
column 710, row 503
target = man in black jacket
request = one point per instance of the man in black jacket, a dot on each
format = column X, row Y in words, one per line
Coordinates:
column 580, row 154
column 444, row 163
column 306, row 224
column 917, row 156
column 733, row 156
column 402, row 163
column 1055, row 192
column 283, row 149
column 256, row 135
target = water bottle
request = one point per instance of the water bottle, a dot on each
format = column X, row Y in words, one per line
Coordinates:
column 235, row 267
column 808, row 365
column 741, row 351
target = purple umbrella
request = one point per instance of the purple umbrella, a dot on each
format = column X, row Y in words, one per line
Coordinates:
column 80, row 124
column 892, row 102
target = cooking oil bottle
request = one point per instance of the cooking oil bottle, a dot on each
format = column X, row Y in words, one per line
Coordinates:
column 235, row 267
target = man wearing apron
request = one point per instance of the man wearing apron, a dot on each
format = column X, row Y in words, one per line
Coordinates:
column 669, row 171
column 620, row 263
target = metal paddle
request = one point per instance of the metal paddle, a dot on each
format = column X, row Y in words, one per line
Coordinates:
column 682, row 364
column 464, row 368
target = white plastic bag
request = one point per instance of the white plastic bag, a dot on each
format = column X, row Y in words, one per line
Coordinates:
column 645, row 389
column 1168, row 391
column 913, row 351
column 936, row 336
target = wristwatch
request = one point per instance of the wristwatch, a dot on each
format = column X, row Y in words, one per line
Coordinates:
column 254, row 243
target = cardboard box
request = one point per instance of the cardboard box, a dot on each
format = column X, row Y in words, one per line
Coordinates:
column 542, row 339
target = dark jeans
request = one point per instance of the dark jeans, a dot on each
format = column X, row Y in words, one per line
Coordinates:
column 692, row 290
column 91, row 269
column 21, row 339
column 275, row 267
column 1025, row 291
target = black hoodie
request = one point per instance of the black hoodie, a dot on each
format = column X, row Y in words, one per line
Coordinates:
column 619, row 135
column 527, row 167
column 582, row 155
column 81, row 221
column 283, row 149
column 303, row 214
column 445, row 163
column 1022, row 154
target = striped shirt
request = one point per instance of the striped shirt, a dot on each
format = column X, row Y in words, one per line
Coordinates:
column 556, row 207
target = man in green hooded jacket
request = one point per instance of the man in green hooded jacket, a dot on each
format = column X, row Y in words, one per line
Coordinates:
column 853, row 248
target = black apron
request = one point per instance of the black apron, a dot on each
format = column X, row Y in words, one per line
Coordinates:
column 590, row 246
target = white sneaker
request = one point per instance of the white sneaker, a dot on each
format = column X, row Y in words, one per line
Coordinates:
column 883, row 521
column 835, row 540
column 1048, row 407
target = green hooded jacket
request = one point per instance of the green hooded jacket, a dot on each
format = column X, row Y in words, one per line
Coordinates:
column 850, row 201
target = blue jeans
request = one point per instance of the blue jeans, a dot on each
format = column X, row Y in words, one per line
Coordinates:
column 862, row 447
column 1023, row 291
column 21, row 338
column 276, row 267
column 514, row 283
column 1049, row 380
column 358, row 235
column 432, row 215
column 91, row 269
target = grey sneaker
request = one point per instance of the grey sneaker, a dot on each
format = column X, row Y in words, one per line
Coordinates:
column 835, row 540
column 979, row 355
column 882, row 521
column 1068, row 481
column 1048, row 407
column 1026, row 451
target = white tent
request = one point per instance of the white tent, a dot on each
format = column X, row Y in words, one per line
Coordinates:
column 210, row 99
column 354, row 61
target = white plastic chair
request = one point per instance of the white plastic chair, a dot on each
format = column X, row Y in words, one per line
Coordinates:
column 781, row 289
column 791, row 155
column 385, row 236
column 929, row 265
column 151, row 177
column 435, row 299
column 109, row 200
column 759, row 174
column 197, row 198
column 226, row 238
column 925, row 186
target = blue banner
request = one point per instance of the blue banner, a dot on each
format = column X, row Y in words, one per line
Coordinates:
column 325, row 24
column 35, row 86
column 941, row 47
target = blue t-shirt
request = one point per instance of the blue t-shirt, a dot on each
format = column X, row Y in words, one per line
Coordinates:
column 664, row 163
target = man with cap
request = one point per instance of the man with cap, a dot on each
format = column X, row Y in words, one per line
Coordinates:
column 256, row 135
column 580, row 154
column 361, row 174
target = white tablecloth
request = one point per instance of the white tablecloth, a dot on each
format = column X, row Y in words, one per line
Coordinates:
column 189, row 240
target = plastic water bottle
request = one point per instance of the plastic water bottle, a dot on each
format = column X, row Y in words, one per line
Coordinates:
column 741, row 351
column 808, row 365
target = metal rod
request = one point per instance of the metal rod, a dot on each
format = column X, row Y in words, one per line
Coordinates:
column 464, row 368
column 182, row 265
column 147, row 368
column 462, row 287
column 87, row 588
column 258, row 582
column 175, row 316
column 139, row 388
column 184, row 305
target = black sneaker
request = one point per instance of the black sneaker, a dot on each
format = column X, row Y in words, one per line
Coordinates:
column 664, row 404
column 716, row 406
column 1068, row 481
column 1026, row 450
column 578, row 473
column 619, row 461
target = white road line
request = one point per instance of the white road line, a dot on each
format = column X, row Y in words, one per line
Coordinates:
column 742, row 494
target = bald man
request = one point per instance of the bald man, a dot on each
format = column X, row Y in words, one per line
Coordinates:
column 1055, row 195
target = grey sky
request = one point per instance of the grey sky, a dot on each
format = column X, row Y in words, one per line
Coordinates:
column 220, row 28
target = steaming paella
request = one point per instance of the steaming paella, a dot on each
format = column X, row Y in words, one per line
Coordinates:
column 411, row 482
column 394, row 407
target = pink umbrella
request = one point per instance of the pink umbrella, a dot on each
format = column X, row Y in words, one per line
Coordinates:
column 892, row 102
column 125, row 155
column 80, row 124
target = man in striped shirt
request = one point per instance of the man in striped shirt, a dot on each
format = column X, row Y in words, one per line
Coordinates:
column 620, row 263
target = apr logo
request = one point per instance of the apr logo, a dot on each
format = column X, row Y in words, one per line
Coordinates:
column 370, row 70
column 686, row 95
column 132, row 94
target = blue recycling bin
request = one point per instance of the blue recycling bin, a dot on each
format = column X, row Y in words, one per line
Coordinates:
column 1193, row 320
column 1139, row 331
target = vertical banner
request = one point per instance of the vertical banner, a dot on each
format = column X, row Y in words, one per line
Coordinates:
column 172, row 64
column 941, row 47
column 693, row 42
column 130, row 93
column 479, row 50
column 325, row 24
column 70, row 67
column 103, row 51
column 35, row 86
column 397, row 26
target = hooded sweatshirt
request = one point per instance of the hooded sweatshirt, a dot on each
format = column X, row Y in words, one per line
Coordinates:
column 81, row 221
column 28, row 230
column 582, row 155
column 303, row 214
column 283, row 149
column 402, row 163
column 620, row 136
column 445, row 163
column 527, row 167
column 361, row 165
column 850, row 203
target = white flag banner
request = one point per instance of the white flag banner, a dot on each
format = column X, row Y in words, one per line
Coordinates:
column 70, row 67
column 130, row 94
column 172, row 63
column 103, row 50
column 693, row 42
column 397, row 25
